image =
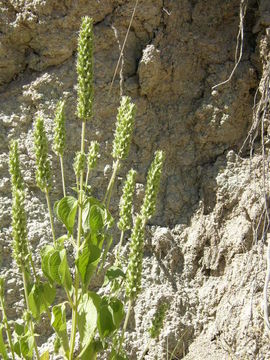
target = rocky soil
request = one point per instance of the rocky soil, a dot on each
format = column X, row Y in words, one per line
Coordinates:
column 206, row 246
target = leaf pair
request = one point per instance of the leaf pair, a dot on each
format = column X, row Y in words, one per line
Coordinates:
column 95, row 217
column 23, row 341
column 55, row 266
column 94, row 312
column 40, row 298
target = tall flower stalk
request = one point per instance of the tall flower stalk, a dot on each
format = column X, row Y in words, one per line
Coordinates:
column 125, row 208
column 134, row 270
column 85, row 113
column 21, row 253
column 60, row 138
column 43, row 168
column 4, row 318
column 96, row 317
column 122, row 140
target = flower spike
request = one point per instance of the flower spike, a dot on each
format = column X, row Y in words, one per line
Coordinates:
column 85, row 70
column 126, row 202
column 134, row 270
column 19, row 230
column 152, row 186
column 93, row 154
column 124, row 128
column 59, row 129
column 14, row 166
column 43, row 169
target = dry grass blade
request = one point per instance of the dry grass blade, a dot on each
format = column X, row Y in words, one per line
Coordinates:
column 239, row 43
column 123, row 47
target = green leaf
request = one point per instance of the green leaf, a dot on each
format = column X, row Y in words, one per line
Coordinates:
column 45, row 355
column 95, row 216
column 87, row 262
column 96, row 219
column 40, row 297
column 45, row 256
column 64, row 272
column 88, row 310
column 112, row 274
column 53, row 266
column 23, row 341
column 110, row 316
column 85, row 216
column 49, row 293
column 60, row 241
column 3, row 350
column 91, row 351
column 105, row 322
column 116, row 308
column 58, row 322
column 116, row 356
column 66, row 210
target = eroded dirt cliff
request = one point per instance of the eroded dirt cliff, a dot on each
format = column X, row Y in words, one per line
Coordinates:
column 206, row 250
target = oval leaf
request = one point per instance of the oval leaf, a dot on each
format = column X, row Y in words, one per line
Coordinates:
column 66, row 210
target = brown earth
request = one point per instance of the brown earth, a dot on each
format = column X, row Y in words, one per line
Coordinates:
column 206, row 247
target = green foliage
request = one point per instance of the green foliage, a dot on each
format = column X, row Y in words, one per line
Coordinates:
column 66, row 210
column 98, row 319
column 3, row 350
column 58, row 322
column 40, row 298
column 43, row 168
column 88, row 311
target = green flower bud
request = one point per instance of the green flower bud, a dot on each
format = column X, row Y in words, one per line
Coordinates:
column 19, row 230
column 14, row 166
column 92, row 155
column 152, row 186
column 126, row 202
column 79, row 163
column 59, row 129
column 124, row 128
column 157, row 322
column 85, row 70
column 43, row 169
column 134, row 270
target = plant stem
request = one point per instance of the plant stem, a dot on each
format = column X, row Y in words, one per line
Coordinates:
column 125, row 326
column 28, row 308
column 145, row 350
column 50, row 213
column 87, row 177
column 62, row 174
column 5, row 322
column 34, row 268
column 79, row 233
column 108, row 194
column 119, row 247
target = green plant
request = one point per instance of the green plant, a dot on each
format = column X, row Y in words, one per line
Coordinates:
column 89, row 226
